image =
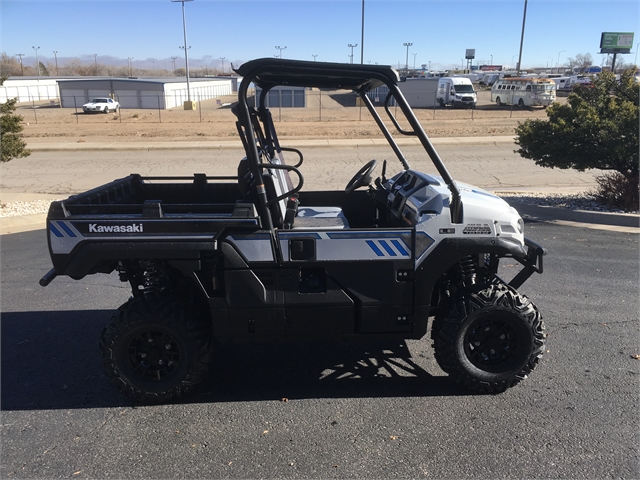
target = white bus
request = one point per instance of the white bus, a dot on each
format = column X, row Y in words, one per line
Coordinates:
column 524, row 92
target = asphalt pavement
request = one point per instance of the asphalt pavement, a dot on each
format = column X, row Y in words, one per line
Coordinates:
column 328, row 410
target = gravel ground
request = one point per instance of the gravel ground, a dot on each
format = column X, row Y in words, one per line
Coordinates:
column 580, row 201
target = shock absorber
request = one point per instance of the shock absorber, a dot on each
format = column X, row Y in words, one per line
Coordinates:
column 468, row 270
column 156, row 278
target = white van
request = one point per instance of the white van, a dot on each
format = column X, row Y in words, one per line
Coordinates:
column 456, row 91
column 524, row 92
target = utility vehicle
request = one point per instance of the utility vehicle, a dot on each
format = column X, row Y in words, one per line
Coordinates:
column 255, row 257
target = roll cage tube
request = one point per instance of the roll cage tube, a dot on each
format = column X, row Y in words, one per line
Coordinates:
column 455, row 207
column 268, row 73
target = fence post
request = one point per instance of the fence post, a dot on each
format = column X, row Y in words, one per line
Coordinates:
column 320, row 103
column 279, row 105
column 200, row 108
column 76, row 107
column 159, row 109
column 33, row 104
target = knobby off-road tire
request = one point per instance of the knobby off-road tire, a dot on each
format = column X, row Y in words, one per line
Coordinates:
column 489, row 340
column 156, row 348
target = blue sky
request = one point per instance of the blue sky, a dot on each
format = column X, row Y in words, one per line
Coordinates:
column 150, row 31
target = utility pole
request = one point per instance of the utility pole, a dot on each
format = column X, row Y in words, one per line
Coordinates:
column 95, row 64
column 55, row 54
column 281, row 48
column 314, row 57
column 186, row 54
column 130, row 66
column 406, row 64
column 173, row 70
column 524, row 18
column 21, row 68
column 362, row 37
column 37, row 61
column 414, row 62
column 352, row 47
column 222, row 58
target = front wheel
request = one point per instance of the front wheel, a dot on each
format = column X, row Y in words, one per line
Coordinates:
column 156, row 349
column 498, row 102
column 489, row 340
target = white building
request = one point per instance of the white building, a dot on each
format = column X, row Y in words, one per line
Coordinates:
column 142, row 92
column 29, row 89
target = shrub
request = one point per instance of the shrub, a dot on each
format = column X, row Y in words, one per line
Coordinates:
column 618, row 191
column 597, row 128
column 12, row 145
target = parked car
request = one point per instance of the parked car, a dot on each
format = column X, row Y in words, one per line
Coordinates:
column 102, row 105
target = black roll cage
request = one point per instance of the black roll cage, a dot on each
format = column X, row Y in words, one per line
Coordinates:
column 267, row 73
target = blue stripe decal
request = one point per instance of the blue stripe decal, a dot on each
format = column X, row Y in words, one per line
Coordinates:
column 388, row 248
column 55, row 231
column 66, row 228
column 375, row 248
column 400, row 248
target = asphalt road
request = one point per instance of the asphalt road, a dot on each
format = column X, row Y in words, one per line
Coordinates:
column 381, row 410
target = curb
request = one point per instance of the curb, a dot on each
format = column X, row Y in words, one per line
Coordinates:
column 536, row 212
column 214, row 145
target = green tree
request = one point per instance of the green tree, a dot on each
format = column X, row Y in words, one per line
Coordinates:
column 12, row 145
column 596, row 128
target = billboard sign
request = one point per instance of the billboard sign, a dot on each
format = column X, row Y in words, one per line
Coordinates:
column 616, row 42
column 470, row 53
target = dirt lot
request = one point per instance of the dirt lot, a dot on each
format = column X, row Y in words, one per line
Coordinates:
column 325, row 116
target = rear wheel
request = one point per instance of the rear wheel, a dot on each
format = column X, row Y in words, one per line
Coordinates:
column 521, row 103
column 489, row 340
column 156, row 349
column 498, row 101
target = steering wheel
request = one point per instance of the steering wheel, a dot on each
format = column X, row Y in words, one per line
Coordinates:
column 362, row 178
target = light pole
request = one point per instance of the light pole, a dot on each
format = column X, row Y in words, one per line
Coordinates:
column 314, row 57
column 222, row 58
column 21, row 69
column 351, row 47
column 173, row 69
column 95, row 64
column 37, row 61
column 130, row 66
column 186, row 49
column 55, row 54
column 558, row 62
column 414, row 61
column 281, row 48
column 524, row 18
column 406, row 63
column 491, row 59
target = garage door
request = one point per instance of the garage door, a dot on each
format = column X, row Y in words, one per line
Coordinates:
column 73, row 98
column 127, row 98
column 150, row 99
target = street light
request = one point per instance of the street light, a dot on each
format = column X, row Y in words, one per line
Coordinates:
column 222, row 58
column 55, row 54
column 352, row 47
column 37, row 61
column 173, row 61
column 414, row 61
column 130, row 66
column 95, row 63
column 281, row 48
column 314, row 57
column 558, row 62
column 186, row 54
column 21, row 69
column 406, row 63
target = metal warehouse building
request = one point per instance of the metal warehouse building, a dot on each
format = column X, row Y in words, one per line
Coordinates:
column 142, row 92
column 29, row 89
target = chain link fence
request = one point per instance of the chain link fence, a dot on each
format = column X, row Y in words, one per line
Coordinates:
column 317, row 106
